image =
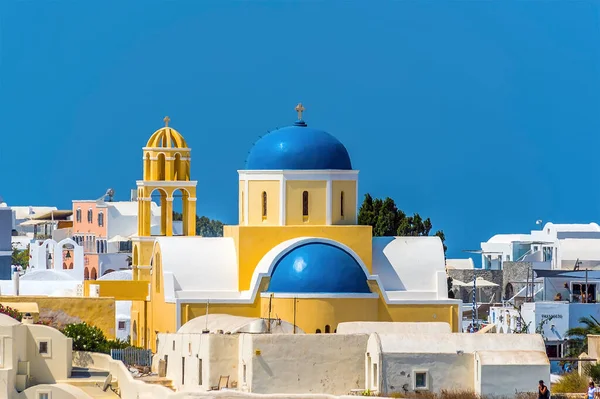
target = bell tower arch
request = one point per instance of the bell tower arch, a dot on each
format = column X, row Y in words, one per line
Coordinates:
column 166, row 165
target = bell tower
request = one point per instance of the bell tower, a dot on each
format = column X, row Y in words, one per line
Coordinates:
column 166, row 173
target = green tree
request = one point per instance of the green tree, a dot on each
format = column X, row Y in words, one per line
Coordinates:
column 387, row 220
column 177, row 216
column 205, row 227
column 20, row 257
column 578, row 335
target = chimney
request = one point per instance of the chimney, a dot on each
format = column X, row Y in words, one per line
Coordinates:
column 16, row 283
column 133, row 195
column 27, row 318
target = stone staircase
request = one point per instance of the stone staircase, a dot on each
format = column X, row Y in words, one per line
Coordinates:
column 83, row 376
column 165, row 382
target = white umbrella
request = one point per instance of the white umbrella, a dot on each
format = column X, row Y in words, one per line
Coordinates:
column 480, row 282
column 458, row 283
column 118, row 238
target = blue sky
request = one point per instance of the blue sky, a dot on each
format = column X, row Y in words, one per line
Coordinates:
column 482, row 115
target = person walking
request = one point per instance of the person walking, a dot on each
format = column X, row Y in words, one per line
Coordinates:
column 543, row 392
column 592, row 390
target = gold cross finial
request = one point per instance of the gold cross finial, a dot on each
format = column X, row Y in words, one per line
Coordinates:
column 167, row 120
column 299, row 109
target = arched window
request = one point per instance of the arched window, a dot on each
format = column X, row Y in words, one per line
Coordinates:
column 90, row 216
column 161, row 166
column 305, row 205
column 342, row 205
column 86, row 274
column 177, row 175
column 101, row 219
column 78, row 214
column 318, row 331
column 264, row 205
column 327, row 329
column 94, row 274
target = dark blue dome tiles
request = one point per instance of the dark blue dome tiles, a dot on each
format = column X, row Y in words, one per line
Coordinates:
column 298, row 147
column 318, row 268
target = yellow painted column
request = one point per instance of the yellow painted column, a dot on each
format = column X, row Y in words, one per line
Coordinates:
column 169, row 217
column 184, row 210
column 147, row 218
column 191, row 217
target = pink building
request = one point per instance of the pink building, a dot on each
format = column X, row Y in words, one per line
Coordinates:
column 104, row 230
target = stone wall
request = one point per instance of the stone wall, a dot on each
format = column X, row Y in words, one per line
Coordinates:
column 484, row 294
column 515, row 274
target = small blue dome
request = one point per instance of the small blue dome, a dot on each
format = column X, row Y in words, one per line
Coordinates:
column 298, row 147
column 318, row 268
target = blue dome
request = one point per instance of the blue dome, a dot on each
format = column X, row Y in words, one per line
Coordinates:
column 298, row 147
column 318, row 268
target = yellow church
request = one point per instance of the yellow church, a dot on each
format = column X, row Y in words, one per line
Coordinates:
column 298, row 253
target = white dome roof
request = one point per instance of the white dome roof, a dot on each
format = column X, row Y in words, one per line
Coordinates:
column 118, row 275
column 236, row 324
column 47, row 275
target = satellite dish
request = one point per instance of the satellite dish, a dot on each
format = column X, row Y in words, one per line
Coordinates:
column 110, row 193
column 107, row 383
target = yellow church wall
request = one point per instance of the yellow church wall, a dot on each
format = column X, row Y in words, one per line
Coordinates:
column 161, row 316
column 317, row 202
column 253, row 242
column 99, row 312
column 447, row 313
column 120, row 290
column 348, row 187
column 255, row 190
column 317, row 313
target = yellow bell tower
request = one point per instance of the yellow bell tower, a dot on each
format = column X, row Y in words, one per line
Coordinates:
column 166, row 160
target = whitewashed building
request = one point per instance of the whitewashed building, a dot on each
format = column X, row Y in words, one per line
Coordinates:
column 555, row 246
column 245, row 354
column 486, row 364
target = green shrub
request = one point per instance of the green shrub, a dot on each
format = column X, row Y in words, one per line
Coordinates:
column 85, row 337
column 592, row 371
column 91, row 339
column 570, row 383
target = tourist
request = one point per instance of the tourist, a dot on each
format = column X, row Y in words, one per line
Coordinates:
column 543, row 392
column 592, row 390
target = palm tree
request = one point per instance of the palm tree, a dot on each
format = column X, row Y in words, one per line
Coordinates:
column 578, row 335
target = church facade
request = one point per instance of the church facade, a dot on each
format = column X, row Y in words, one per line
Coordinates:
column 297, row 254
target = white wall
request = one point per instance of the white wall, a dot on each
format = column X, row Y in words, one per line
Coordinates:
column 396, row 258
column 502, row 380
column 445, row 371
column 218, row 352
column 56, row 365
column 323, row 363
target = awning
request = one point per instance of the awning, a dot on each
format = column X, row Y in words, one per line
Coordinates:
column 33, row 222
column 54, row 215
column 119, row 238
column 23, row 307
column 575, row 274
